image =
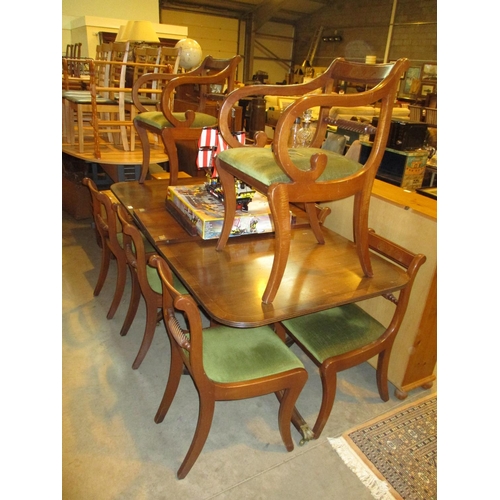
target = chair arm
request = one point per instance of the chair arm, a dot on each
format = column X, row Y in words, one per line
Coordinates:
column 384, row 91
column 170, row 89
column 322, row 83
column 144, row 80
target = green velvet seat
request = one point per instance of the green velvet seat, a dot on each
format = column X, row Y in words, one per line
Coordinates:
column 85, row 98
column 233, row 355
column 155, row 282
column 334, row 332
column 261, row 164
column 225, row 364
column 159, row 121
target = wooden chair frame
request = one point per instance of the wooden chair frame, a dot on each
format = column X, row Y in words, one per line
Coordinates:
column 380, row 347
column 210, row 71
column 303, row 186
column 187, row 351
column 102, row 100
column 137, row 258
column 107, row 76
column 108, row 231
column 147, row 60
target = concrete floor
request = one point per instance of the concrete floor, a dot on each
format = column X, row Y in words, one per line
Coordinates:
column 112, row 449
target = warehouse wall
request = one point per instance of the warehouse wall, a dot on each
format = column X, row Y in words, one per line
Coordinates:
column 365, row 28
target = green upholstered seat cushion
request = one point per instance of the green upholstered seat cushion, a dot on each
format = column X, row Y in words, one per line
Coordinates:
column 239, row 354
column 87, row 99
column 155, row 281
column 158, row 120
column 148, row 248
column 146, row 101
column 261, row 165
column 80, row 93
column 335, row 331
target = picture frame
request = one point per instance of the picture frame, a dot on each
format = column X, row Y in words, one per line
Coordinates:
column 412, row 76
column 429, row 72
column 427, row 87
column 215, row 88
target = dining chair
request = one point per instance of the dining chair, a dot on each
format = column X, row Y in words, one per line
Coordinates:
column 308, row 175
column 147, row 60
column 110, row 240
column 103, row 104
column 103, row 53
column 145, row 282
column 169, row 56
column 184, row 107
column 346, row 336
column 225, row 364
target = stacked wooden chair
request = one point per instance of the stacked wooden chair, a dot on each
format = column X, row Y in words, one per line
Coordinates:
column 103, row 108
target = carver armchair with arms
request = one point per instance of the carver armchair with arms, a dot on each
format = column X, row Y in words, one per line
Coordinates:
column 225, row 364
column 183, row 108
column 345, row 336
column 308, row 175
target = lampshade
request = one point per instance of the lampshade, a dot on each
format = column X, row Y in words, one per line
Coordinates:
column 140, row 31
column 120, row 35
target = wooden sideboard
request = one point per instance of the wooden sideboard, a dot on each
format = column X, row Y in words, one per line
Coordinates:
column 410, row 220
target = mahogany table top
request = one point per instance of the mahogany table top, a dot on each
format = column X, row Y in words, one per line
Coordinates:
column 229, row 284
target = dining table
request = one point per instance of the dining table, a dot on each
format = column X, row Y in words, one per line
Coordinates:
column 228, row 284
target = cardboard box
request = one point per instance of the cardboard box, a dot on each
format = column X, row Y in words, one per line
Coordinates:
column 76, row 199
column 205, row 212
column 405, row 169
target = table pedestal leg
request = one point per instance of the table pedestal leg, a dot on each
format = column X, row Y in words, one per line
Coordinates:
column 299, row 423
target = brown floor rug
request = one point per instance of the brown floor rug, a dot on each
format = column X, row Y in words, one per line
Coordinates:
column 395, row 455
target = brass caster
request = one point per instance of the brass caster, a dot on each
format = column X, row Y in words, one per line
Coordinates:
column 307, row 434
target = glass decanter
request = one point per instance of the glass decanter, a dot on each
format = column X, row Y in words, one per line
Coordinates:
column 306, row 133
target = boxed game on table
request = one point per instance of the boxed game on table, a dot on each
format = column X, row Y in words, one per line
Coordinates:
column 205, row 212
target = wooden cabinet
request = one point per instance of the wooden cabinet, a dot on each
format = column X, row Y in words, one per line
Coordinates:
column 410, row 220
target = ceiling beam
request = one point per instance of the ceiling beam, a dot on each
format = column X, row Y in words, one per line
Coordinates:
column 265, row 11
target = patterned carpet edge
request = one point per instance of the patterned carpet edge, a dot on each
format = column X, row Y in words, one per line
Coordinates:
column 367, row 472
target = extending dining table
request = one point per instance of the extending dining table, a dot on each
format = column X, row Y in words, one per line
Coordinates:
column 229, row 284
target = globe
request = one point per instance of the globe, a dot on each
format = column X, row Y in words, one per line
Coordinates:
column 190, row 53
